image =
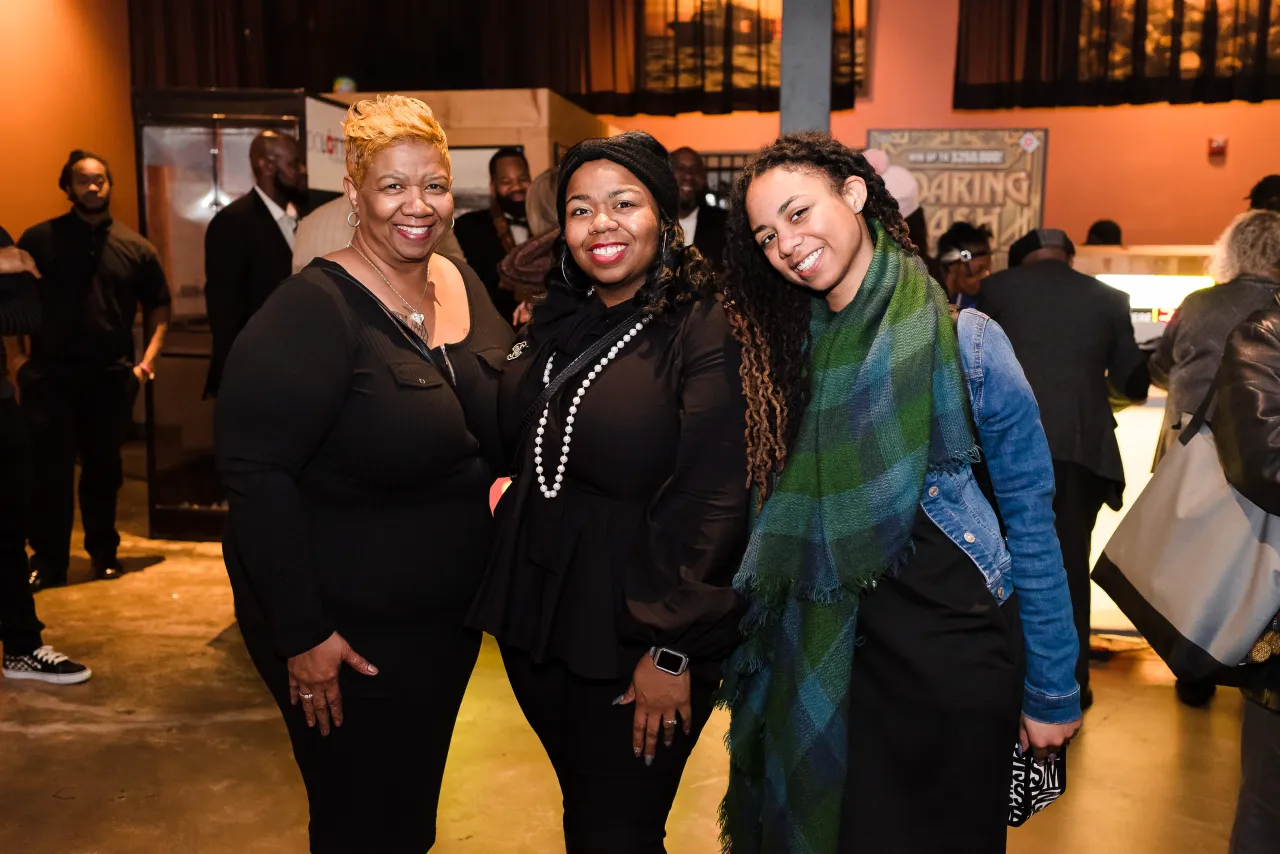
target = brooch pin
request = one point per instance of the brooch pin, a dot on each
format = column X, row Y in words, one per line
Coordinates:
column 517, row 351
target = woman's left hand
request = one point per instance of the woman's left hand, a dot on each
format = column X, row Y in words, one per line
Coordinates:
column 658, row 696
column 1044, row 740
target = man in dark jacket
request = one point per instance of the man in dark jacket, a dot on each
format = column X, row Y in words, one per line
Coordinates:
column 1074, row 338
column 1246, row 430
column 81, row 382
column 703, row 223
column 248, row 246
column 487, row 236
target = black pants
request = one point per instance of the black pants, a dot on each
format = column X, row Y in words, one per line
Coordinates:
column 82, row 415
column 1257, row 825
column 613, row 803
column 19, row 627
column 934, row 702
column 1080, row 496
column 373, row 784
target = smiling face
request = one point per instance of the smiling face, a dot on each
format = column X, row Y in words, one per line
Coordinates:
column 811, row 234
column 611, row 224
column 691, row 176
column 510, row 182
column 404, row 204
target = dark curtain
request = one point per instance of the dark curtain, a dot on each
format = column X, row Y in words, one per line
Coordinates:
column 1045, row 53
column 610, row 56
column 673, row 56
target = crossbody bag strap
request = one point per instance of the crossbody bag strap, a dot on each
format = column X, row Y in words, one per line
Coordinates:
column 575, row 367
column 1202, row 414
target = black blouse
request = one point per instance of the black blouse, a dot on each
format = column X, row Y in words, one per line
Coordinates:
column 641, row 545
column 355, row 470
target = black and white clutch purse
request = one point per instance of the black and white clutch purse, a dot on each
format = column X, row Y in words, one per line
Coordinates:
column 1035, row 785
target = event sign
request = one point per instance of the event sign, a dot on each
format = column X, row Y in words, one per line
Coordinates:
column 986, row 177
column 326, row 145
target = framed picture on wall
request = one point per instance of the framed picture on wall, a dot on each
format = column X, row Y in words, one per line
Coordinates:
column 470, row 177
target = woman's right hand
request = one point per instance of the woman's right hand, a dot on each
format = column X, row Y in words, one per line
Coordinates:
column 313, row 680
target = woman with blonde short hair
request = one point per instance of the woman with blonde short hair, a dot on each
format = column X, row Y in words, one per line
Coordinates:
column 351, row 434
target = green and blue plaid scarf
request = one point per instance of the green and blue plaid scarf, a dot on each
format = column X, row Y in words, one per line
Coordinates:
column 888, row 404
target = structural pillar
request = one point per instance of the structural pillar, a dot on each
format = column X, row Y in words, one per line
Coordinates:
column 806, row 65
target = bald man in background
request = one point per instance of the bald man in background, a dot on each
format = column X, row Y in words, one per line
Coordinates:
column 248, row 247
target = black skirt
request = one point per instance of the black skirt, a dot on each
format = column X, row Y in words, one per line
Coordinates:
column 935, row 700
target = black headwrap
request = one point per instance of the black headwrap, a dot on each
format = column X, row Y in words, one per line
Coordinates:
column 639, row 152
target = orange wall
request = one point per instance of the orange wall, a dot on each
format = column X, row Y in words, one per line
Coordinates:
column 1147, row 167
column 65, row 71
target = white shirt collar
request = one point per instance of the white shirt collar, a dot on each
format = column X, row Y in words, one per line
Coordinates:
column 276, row 210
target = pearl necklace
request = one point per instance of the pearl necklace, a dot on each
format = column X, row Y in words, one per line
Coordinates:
column 554, row 490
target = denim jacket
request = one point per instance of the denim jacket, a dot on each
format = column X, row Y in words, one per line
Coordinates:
column 1029, row 559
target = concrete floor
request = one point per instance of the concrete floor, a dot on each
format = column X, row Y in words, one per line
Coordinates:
column 174, row 746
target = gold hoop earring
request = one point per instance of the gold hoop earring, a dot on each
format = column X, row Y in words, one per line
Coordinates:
column 355, row 224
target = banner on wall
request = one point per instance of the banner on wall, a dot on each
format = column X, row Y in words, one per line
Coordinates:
column 986, row 177
column 326, row 145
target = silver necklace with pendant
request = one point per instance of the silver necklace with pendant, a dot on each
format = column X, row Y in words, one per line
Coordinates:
column 416, row 317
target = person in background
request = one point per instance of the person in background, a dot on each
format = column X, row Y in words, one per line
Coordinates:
column 1247, row 265
column 25, row 654
column 703, row 222
column 351, row 433
column 328, row 229
column 1104, row 232
column 1265, row 194
column 964, row 256
column 610, row 585
column 1074, row 338
column 79, row 386
column 248, row 246
column 1246, row 430
column 524, row 271
column 488, row 236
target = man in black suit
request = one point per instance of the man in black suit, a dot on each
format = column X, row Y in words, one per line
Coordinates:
column 248, row 247
column 1074, row 338
column 487, row 236
column 703, row 223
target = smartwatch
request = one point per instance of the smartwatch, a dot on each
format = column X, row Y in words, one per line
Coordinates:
column 669, row 661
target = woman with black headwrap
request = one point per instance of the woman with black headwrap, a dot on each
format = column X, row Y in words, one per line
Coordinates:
column 610, row 587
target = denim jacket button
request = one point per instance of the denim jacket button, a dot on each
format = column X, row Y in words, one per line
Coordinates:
column 969, row 537
column 933, row 492
column 999, row 592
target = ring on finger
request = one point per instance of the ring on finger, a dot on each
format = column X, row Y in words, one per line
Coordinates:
column 307, row 696
column 671, row 722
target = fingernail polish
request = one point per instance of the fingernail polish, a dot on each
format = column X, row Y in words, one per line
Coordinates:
column 648, row 760
column 637, row 753
column 618, row 699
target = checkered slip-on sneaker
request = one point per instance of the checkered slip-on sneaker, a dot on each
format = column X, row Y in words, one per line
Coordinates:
column 45, row 665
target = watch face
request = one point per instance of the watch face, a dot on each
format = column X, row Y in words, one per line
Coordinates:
column 668, row 660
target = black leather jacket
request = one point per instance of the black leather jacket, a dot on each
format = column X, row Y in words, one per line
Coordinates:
column 1246, row 426
column 1246, row 429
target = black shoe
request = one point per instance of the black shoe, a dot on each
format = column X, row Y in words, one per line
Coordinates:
column 42, row 578
column 107, row 570
column 1086, row 699
column 1194, row 694
column 45, row 665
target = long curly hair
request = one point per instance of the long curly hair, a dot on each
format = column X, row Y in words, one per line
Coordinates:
column 677, row 275
column 769, row 315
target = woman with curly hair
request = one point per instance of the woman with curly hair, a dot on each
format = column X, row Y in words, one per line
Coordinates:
column 610, row 587
column 879, row 691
